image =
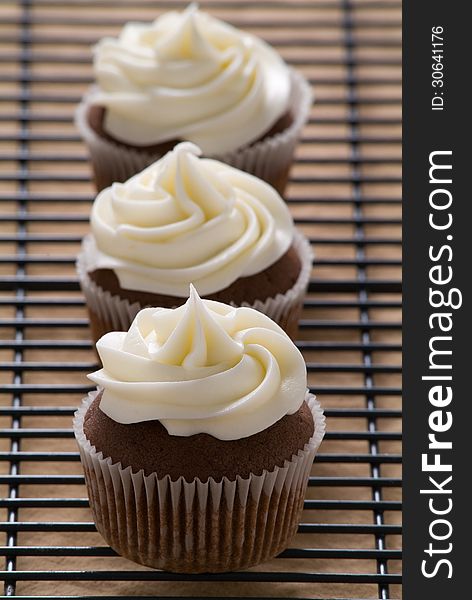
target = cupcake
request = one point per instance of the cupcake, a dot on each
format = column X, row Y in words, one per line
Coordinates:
column 198, row 444
column 190, row 77
column 187, row 219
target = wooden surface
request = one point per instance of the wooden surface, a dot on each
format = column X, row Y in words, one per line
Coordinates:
column 311, row 35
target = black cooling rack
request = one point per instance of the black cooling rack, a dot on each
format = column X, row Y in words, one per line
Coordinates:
column 345, row 194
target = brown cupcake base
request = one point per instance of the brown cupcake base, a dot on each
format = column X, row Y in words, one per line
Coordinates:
column 278, row 291
column 95, row 116
column 147, row 445
column 96, row 120
column 199, row 526
column 269, row 158
column 277, row 278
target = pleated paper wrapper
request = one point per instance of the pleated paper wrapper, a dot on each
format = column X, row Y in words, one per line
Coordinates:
column 109, row 312
column 270, row 159
column 198, row 526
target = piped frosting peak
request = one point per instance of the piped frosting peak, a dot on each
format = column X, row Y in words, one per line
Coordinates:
column 188, row 219
column 204, row 367
column 189, row 76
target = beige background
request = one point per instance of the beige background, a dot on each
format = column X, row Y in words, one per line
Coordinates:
column 310, row 35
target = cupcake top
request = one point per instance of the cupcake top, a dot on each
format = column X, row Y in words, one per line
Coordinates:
column 186, row 219
column 204, row 367
column 189, row 76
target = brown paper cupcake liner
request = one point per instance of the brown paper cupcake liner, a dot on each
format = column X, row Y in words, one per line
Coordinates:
column 194, row 527
column 269, row 159
column 109, row 312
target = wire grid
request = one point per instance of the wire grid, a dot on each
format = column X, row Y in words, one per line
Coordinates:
column 345, row 195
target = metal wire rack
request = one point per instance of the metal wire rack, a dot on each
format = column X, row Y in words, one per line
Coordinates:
column 344, row 193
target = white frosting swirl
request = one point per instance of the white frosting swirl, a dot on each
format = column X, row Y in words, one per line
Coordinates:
column 185, row 219
column 204, row 367
column 191, row 77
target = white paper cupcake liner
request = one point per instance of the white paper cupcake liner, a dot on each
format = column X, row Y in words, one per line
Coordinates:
column 269, row 159
column 197, row 526
column 112, row 313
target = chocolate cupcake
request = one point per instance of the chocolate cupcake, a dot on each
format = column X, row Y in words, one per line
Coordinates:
column 190, row 77
column 189, row 220
column 198, row 445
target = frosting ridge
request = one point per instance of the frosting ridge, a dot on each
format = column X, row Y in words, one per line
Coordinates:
column 189, row 76
column 204, row 367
